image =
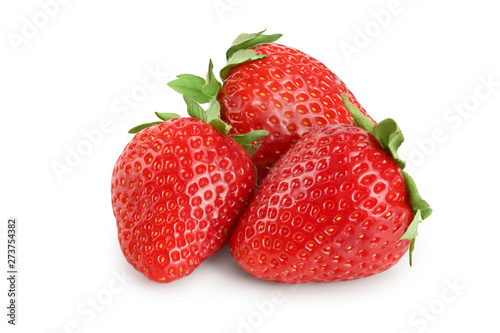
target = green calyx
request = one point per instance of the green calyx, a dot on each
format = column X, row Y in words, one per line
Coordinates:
column 204, row 90
column 240, row 51
column 197, row 90
column 250, row 141
column 388, row 133
column 210, row 116
column 162, row 116
column 245, row 41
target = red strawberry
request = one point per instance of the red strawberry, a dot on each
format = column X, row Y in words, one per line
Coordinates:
column 268, row 86
column 177, row 189
column 337, row 206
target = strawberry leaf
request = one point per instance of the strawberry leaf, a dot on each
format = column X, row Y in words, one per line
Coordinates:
column 213, row 110
column 212, row 86
column 194, row 109
column 250, row 148
column 390, row 137
column 419, row 205
column 412, row 247
column 240, row 57
column 249, row 141
column 213, row 117
column 139, row 128
column 166, row 116
column 244, row 41
column 250, row 137
column 220, row 125
column 358, row 118
column 421, row 211
column 191, row 86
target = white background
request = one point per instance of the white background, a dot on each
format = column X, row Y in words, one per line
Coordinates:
column 432, row 65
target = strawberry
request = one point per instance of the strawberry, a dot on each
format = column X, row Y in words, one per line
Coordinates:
column 177, row 189
column 272, row 87
column 337, row 206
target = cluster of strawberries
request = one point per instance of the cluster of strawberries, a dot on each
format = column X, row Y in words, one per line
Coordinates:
column 283, row 164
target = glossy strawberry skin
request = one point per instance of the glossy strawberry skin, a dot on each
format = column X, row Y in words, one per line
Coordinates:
column 288, row 94
column 177, row 190
column 332, row 209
